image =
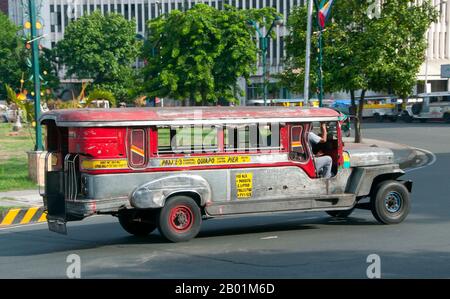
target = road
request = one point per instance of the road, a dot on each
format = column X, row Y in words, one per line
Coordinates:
column 293, row 245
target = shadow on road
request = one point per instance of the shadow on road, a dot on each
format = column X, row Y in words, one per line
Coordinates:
column 96, row 235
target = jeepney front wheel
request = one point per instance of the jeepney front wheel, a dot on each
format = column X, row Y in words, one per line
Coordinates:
column 390, row 202
column 180, row 219
column 136, row 224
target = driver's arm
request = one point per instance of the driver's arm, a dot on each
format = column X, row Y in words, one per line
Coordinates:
column 323, row 139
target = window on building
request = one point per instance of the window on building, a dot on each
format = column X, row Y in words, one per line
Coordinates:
column 274, row 52
column 52, row 18
column 133, row 11
column 139, row 18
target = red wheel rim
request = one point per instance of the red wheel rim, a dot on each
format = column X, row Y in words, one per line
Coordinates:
column 181, row 218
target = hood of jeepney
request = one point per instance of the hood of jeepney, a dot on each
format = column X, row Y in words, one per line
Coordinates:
column 365, row 155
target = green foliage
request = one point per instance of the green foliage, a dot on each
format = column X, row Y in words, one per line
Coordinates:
column 26, row 106
column 381, row 53
column 199, row 54
column 102, row 48
column 11, row 55
column 101, row 94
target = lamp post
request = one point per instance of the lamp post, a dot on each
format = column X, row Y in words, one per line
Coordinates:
column 308, row 53
column 278, row 21
column 37, row 84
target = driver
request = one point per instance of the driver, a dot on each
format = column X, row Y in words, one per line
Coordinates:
column 322, row 162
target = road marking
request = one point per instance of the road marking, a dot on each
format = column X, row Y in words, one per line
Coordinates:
column 433, row 159
column 10, row 216
column 269, row 237
column 21, row 216
column 28, row 215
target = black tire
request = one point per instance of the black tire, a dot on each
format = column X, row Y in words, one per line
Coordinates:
column 447, row 118
column 180, row 219
column 340, row 214
column 423, row 120
column 378, row 118
column 393, row 119
column 390, row 202
column 406, row 117
column 416, row 108
column 131, row 223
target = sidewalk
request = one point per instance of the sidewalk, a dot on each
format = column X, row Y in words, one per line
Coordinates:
column 404, row 155
column 22, row 198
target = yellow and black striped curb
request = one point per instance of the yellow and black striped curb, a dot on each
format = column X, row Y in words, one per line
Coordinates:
column 18, row 216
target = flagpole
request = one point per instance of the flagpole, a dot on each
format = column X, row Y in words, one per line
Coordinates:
column 320, row 96
column 308, row 53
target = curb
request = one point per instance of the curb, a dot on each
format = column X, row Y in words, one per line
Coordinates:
column 18, row 216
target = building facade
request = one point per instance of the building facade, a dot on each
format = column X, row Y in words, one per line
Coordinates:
column 4, row 6
column 55, row 15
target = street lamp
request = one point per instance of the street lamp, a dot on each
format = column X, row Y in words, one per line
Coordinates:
column 37, row 83
column 278, row 21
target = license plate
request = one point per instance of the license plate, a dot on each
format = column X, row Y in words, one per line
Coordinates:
column 57, row 226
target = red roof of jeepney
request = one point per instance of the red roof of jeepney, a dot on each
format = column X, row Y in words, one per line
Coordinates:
column 184, row 113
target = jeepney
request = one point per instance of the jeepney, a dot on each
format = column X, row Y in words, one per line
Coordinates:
column 172, row 168
column 378, row 108
column 428, row 106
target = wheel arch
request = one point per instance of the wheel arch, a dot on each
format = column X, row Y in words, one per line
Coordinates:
column 154, row 194
column 365, row 179
column 387, row 177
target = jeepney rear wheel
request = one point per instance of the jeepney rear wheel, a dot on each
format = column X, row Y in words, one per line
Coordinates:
column 390, row 202
column 447, row 118
column 340, row 214
column 135, row 224
column 378, row 117
column 180, row 219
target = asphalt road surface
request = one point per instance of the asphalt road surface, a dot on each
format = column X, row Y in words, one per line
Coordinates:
column 292, row 245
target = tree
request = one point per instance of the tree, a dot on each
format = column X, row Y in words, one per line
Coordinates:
column 199, row 54
column 101, row 48
column 11, row 61
column 363, row 52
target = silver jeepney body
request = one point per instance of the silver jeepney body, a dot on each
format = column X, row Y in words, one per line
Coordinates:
column 230, row 191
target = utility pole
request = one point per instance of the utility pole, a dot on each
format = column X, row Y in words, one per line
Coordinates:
column 308, row 53
column 36, row 73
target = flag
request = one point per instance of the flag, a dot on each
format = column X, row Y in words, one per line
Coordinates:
column 323, row 11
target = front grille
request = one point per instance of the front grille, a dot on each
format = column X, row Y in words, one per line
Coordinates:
column 71, row 176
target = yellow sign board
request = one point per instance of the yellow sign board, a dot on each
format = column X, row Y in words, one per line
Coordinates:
column 104, row 164
column 199, row 161
column 244, row 185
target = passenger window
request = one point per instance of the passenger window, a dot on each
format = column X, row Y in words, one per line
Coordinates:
column 187, row 139
column 137, row 152
column 252, row 137
column 297, row 150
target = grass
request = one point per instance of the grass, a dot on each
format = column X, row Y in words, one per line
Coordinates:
column 13, row 158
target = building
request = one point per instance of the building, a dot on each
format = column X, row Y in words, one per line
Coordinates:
column 4, row 6
column 56, row 14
